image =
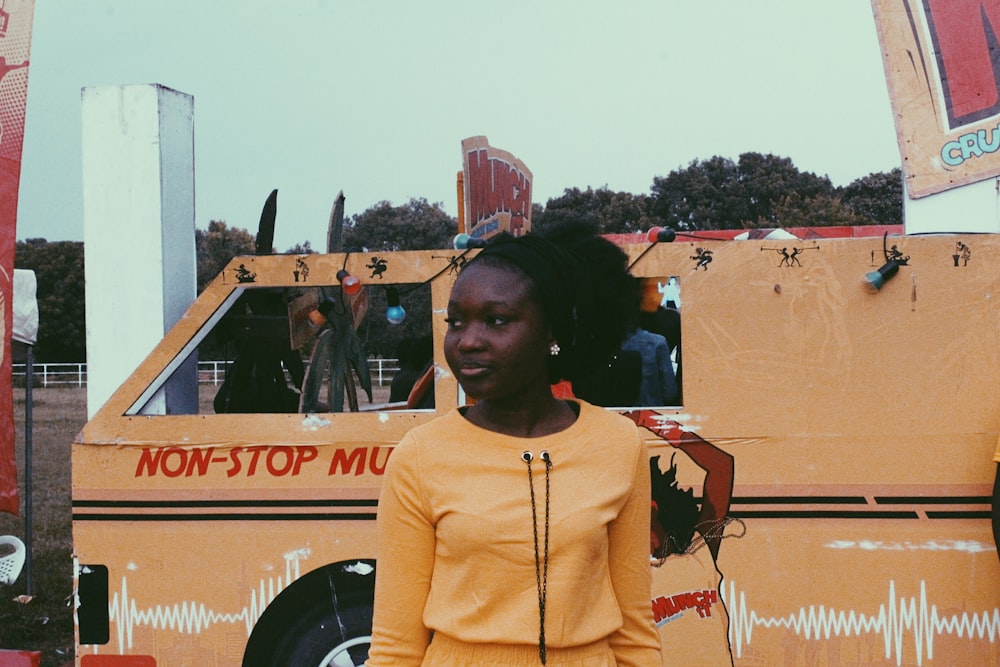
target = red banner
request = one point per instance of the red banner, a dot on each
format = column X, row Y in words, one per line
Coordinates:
column 15, row 45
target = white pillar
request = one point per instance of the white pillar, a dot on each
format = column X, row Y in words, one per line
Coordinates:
column 138, row 214
column 969, row 208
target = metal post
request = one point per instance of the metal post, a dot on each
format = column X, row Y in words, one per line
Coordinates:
column 29, row 380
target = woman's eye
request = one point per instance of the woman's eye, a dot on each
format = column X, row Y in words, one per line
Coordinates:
column 453, row 322
column 497, row 321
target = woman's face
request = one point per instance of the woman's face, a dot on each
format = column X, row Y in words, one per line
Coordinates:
column 497, row 340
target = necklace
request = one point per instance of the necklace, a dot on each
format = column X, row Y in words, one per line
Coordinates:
column 541, row 562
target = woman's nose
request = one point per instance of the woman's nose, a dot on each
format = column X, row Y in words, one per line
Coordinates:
column 470, row 338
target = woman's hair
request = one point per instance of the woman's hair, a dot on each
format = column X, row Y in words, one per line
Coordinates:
column 587, row 295
column 676, row 509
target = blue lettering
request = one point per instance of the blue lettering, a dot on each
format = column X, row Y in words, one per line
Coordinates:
column 971, row 145
column 992, row 145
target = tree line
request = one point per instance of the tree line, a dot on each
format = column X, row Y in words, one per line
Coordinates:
column 755, row 191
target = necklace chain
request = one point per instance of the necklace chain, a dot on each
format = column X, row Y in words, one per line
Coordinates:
column 541, row 562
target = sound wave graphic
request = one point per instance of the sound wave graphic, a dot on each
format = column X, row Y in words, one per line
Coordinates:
column 894, row 621
column 902, row 622
column 193, row 617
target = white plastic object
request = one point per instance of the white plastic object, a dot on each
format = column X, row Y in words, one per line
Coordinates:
column 11, row 564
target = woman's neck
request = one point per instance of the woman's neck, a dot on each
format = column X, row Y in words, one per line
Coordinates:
column 523, row 419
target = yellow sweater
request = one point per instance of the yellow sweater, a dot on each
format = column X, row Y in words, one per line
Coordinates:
column 456, row 551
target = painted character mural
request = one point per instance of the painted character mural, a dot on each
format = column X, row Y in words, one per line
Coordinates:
column 685, row 537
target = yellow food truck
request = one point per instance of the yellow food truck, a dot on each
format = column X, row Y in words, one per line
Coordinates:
column 858, row 407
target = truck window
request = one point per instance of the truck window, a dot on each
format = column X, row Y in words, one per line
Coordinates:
column 308, row 350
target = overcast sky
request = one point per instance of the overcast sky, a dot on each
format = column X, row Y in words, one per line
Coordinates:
column 373, row 97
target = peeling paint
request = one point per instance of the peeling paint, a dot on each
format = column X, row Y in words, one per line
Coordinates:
column 970, row 546
column 359, row 568
column 315, row 422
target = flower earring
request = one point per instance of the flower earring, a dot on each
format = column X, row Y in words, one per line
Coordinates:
column 554, row 349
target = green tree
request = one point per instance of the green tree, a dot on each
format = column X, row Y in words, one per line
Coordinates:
column 721, row 194
column 301, row 249
column 698, row 197
column 58, row 267
column 612, row 212
column 877, row 196
column 416, row 225
column 216, row 246
column 820, row 211
column 766, row 180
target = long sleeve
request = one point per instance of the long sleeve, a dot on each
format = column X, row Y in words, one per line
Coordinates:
column 456, row 508
column 637, row 643
column 405, row 562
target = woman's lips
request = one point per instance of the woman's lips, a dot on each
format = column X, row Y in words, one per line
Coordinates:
column 473, row 370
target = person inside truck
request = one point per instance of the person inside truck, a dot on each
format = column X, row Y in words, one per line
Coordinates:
column 658, row 385
column 513, row 531
column 666, row 321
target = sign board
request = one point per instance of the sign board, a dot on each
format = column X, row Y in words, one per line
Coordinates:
column 942, row 66
column 497, row 188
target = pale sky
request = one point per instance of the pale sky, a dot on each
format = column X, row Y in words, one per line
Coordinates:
column 373, row 97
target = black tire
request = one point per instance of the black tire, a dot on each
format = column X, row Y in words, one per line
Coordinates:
column 323, row 619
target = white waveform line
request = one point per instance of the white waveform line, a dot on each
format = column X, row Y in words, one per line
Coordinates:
column 192, row 617
column 901, row 616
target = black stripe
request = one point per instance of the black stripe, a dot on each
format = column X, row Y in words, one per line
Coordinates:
column 366, row 502
column 224, row 517
column 958, row 515
column 822, row 514
column 799, row 500
column 861, row 500
column 372, row 502
column 370, row 516
column 933, row 500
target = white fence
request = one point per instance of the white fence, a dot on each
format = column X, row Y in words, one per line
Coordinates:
column 209, row 372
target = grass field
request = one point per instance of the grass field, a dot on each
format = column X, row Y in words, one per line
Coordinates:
column 45, row 623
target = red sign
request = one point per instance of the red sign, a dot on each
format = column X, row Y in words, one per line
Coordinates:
column 15, row 42
column 497, row 190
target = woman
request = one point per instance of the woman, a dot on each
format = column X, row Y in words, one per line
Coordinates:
column 513, row 531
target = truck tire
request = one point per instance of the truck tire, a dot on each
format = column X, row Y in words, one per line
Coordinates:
column 322, row 619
